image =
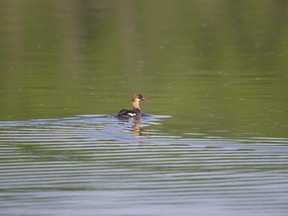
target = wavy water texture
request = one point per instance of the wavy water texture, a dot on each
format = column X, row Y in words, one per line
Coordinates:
column 113, row 167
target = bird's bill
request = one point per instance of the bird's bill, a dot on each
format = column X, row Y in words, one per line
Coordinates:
column 145, row 99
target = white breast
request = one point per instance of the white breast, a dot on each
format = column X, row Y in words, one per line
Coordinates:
column 131, row 114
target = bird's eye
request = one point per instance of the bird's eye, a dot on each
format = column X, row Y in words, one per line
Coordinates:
column 140, row 97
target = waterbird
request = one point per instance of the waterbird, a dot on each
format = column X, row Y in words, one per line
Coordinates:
column 136, row 111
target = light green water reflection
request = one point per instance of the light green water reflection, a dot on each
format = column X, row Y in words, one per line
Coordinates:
column 211, row 65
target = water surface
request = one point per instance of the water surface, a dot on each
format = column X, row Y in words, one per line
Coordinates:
column 215, row 137
column 89, row 164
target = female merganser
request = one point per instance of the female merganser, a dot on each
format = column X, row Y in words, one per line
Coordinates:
column 135, row 112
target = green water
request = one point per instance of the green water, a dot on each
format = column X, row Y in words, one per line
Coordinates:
column 218, row 65
column 218, row 68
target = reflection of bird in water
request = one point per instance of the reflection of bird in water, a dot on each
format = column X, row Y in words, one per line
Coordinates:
column 137, row 130
column 135, row 112
column 136, row 127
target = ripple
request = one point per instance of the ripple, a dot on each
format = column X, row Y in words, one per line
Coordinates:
column 99, row 161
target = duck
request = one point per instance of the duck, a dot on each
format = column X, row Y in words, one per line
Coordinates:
column 136, row 111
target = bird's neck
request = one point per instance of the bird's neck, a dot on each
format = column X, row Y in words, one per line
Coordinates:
column 135, row 105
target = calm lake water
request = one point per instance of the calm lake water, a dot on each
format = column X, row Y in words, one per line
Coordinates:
column 214, row 140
